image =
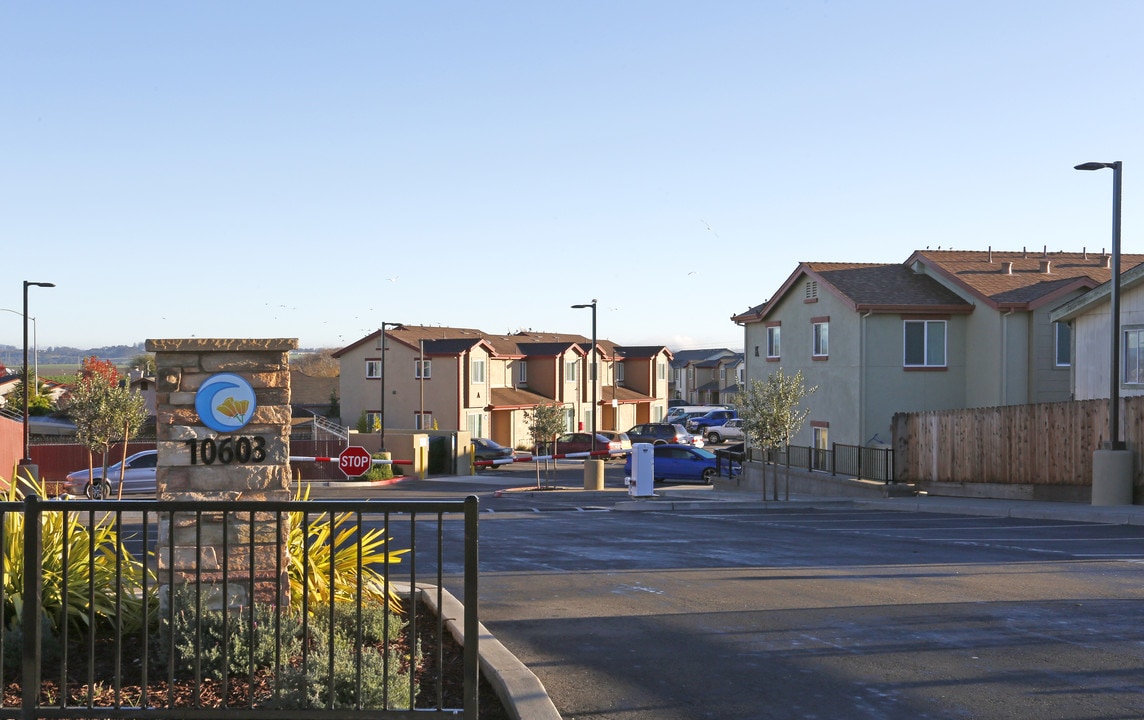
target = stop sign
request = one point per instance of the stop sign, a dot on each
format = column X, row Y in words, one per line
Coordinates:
column 355, row 461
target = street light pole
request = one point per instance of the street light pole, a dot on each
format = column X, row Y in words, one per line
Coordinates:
column 595, row 375
column 1112, row 464
column 1114, row 442
column 26, row 461
column 384, row 419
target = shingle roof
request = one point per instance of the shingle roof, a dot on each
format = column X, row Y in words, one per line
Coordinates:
column 867, row 285
column 503, row 398
column 1034, row 277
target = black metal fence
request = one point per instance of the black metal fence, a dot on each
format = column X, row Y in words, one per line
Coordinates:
column 103, row 618
column 865, row 463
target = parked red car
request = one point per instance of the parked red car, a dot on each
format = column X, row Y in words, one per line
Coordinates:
column 576, row 442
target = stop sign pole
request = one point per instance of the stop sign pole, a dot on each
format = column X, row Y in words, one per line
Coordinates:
column 355, row 461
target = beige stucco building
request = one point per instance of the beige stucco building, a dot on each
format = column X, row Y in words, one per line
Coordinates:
column 465, row 379
column 943, row 330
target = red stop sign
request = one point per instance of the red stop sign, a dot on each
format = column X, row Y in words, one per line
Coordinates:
column 355, row 461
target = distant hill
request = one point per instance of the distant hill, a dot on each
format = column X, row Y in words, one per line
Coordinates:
column 13, row 356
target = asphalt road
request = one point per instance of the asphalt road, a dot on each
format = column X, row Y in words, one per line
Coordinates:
column 801, row 612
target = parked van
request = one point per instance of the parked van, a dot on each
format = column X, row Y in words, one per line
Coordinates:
column 680, row 413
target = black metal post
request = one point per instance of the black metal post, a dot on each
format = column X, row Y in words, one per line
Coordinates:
column 595, row 374
column 1114, row 442
column 27, row 459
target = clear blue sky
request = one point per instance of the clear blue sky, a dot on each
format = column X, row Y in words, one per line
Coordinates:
column 309, row 170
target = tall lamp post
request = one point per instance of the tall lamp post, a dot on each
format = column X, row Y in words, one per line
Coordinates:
column 595, row 376
column 26, row 462
column 1112, row 480
column 382, row 348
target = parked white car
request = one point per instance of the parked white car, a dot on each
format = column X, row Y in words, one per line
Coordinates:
column 730, row 430
column 138, row 478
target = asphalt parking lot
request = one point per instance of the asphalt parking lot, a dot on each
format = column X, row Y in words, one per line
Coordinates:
column 812, row 609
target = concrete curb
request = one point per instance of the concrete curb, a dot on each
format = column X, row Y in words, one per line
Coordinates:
column 520, row 691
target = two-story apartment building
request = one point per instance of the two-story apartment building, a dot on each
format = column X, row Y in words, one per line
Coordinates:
column 465, row 379
column 943, row 330
column 693, row 375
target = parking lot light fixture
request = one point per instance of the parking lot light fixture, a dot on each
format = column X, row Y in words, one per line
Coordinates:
column 26, row 461
column 595, row 376
column 1114, row 442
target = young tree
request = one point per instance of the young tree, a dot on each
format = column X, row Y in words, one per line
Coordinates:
column 771, row 415
column 38, row 403
column 103, row 411
column 544, row 423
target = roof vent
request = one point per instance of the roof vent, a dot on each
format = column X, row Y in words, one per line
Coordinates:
column 1106, row 261
column 1047, row 267
column 1007, row 267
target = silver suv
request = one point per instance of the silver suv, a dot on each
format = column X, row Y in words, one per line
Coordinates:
column 730, row 430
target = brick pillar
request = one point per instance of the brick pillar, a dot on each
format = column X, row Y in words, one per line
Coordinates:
column 223, row 433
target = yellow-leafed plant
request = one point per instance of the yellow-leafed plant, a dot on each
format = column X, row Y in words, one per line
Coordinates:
column 108, row 581
column 333, row 540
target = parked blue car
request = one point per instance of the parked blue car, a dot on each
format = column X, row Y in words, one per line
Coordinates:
column 680, row 462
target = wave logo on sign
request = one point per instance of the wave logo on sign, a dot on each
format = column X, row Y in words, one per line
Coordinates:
column 225, row 402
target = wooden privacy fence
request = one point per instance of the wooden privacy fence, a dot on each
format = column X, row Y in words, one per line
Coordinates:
column 1043, row 444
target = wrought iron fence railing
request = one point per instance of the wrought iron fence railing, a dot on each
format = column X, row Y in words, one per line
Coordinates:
column 249, row 609
column 865, row 463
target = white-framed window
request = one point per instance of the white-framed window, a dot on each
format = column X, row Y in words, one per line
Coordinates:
column 569, row 419
column 1133, row 370
column 820, row 346
column 740, row 374
column 523, row 375
column 422, row 369
column 372, row 369
column 661, row 371
column 571, row 370
column 372, row 421
column 821, row 441
column 423, row 420
column 619, row 370
column 478, row 373
column 924, row 343
column 1062, row 336
column 774, row 333
column 475, row 423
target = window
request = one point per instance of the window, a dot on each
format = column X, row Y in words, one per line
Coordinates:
column 1133, row 360
column 523, row 372
column 372, row 369
column 372, row 421
column 1063, row 344
column 619, row 373
column 773, row 341
column 924, row 343
column 661, row 371
column 820, row 456
column 739, row 374
column 423, row 420
column 571, row 370
column 478, row 374
column 821, row 334
column 569, row 419
column 475, row 423
column 422, row 369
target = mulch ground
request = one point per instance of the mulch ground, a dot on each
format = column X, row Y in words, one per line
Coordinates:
column 210, row 693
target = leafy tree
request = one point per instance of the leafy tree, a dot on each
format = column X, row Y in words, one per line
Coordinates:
column 772, row 414
column 38, row 404
column 103, row 409
column 544, row 422
column 145, row 362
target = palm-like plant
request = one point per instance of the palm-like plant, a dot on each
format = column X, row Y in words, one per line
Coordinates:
column 332, row 542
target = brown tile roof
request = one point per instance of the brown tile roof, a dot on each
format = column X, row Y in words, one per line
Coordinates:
column 505, row 398
column 985, row 274
column 869, row 286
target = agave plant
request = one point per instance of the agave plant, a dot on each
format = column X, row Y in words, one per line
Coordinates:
column 329, row 541
column 98, row 567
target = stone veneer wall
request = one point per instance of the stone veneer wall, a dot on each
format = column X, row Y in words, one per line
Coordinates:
column 181, row 367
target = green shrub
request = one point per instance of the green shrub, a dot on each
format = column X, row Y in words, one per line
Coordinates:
column 309, row 687
column 195, row 634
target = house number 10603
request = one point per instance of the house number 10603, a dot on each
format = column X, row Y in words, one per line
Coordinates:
column 228, row 450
